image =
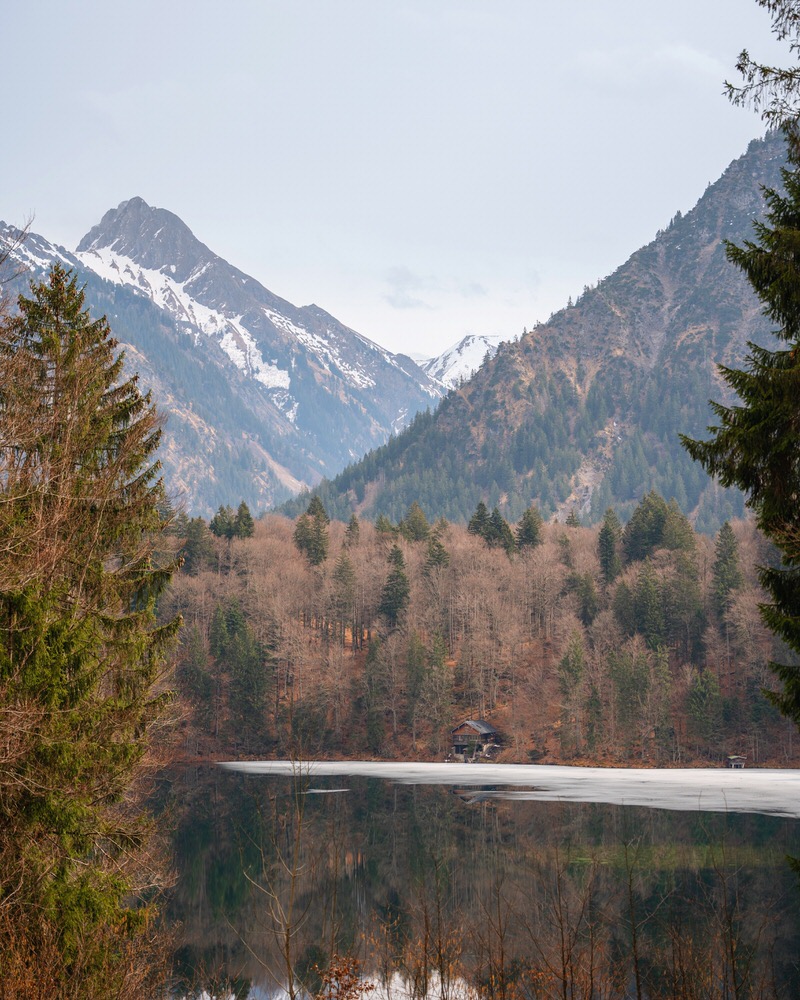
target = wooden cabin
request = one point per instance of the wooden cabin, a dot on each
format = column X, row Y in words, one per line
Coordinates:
column 735, row 761
column 473, row 738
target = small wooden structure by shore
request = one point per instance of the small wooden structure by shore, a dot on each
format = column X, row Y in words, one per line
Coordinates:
column 472, row 739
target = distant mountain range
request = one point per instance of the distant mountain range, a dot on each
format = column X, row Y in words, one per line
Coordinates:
column 262, row 398
column 584, row 411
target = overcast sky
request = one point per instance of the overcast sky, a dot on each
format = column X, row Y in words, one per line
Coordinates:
column 422, row 169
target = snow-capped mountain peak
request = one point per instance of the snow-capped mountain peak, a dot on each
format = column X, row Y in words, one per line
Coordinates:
column 462, row 360
column 155, row 253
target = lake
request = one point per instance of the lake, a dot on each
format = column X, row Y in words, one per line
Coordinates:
column 499, row 881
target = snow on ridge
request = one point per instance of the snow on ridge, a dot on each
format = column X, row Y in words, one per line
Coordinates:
column 323, row 349
column 462, row 359
column 171, row 296
column 25, row 252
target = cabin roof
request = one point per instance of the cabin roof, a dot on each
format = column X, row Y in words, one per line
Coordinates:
column 478, row 725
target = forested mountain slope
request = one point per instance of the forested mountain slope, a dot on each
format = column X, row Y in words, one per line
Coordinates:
column 584, row 411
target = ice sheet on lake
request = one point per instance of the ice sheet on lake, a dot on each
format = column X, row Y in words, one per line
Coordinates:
column 750, row 790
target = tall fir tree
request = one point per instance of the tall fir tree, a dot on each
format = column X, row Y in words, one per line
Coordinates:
column 397, row 589
column 644, row 532
column 726, row 572
column 529, row 529
column 608, row 542
column 479, row 522
column 414, row 525
column 223, row 523
column 352, row 532
column 754, row 445
column 499, row 534
column 243, row 524
column 311, row 532
column 81, row 652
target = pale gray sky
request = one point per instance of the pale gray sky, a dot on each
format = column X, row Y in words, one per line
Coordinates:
column 420, row 168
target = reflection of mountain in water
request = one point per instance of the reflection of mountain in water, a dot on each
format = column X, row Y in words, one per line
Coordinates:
column 407, row 876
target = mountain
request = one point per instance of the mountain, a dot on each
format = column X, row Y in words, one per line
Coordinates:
column 262, row 398
column 460, row 362
column 584, row 411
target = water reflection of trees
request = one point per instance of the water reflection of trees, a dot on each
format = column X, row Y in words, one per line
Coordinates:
column 517, row 900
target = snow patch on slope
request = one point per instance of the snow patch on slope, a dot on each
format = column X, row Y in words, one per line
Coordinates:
column 323, row 349
column 171, row 296
column 32, row 251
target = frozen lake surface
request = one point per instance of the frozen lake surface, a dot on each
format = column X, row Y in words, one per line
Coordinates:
column 770, row 792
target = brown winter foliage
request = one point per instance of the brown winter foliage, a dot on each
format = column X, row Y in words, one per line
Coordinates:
column 651, row 668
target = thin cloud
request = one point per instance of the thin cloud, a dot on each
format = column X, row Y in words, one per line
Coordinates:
column 472, row 290
column 406, row 289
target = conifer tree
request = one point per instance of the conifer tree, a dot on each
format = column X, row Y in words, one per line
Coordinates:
column 316, row 508
column 383, row 525
column 727, row 576
column 608, row 541
column 223, row 523
column 677, row 532
column 645, row 530
column 198, row 547
column 754, row 445
column 396, row 590
column 479, row 522
column 81, row 649
column 437, row 555
column 343, row 596
column 649, row 606
column 414, row 525
column 499, row 534
column 311, row 532
column 243, row 525
column 529, row 529
column 352, row 532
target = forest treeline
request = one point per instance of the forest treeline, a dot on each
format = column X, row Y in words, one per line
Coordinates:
column 607, row 644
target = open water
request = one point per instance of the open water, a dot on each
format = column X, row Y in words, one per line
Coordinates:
column 509, row 882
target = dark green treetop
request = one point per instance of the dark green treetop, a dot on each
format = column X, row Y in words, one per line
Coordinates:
column 222, row 523
column 529, row 529
column 644, row 532
column 311, row 533
column 243, row 524
column 396, row 591
column 608, row 541
column 726, row 572
column 479, row 522
column 499, row 534
column 414, row 525
column 754, row 445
